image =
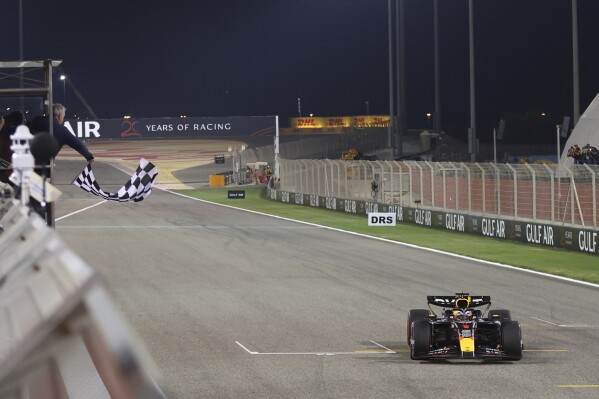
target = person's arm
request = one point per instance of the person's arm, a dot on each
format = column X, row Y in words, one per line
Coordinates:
column 76, row 144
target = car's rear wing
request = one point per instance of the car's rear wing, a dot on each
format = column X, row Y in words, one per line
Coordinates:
column 459, row 300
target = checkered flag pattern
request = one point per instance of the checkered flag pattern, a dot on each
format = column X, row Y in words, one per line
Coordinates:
column 136, row 189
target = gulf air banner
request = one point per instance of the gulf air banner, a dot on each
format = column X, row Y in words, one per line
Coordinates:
column 340, row 121
column 140, row 128
column 574, row 238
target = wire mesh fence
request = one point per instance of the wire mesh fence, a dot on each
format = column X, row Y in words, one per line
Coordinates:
column 519, row 191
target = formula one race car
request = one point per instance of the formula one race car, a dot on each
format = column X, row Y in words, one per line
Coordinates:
column 461, row 330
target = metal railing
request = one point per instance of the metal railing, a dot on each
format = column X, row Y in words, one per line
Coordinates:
column 518, row 191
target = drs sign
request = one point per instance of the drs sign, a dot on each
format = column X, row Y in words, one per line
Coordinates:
column 382, row 219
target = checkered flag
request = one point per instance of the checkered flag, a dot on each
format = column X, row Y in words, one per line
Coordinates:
column 136, row 189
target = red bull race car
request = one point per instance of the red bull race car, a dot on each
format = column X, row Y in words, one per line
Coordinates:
column 461, row 330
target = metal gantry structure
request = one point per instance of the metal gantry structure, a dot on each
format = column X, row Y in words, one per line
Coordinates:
column 37, row 77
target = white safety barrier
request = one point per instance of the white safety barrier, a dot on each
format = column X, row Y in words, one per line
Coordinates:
column 60, row 334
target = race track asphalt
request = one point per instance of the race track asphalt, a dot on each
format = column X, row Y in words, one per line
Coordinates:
column 233, row 304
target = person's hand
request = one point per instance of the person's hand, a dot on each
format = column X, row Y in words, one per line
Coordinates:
column 91, row 160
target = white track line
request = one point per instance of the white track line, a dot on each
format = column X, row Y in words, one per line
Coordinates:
column 384, row 347
column 545, row 321
column 79, row 211
column 309, row 353
column 571, row 280
column 324, row 353
column 246, row 349
column 565, row 325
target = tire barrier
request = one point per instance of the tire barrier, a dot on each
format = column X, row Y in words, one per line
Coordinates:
column 55, row 308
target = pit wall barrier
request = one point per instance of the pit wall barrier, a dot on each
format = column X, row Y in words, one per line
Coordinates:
column 546, row 235
column 61, row 334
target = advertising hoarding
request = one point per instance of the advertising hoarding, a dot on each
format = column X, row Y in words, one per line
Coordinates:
column 153, row 128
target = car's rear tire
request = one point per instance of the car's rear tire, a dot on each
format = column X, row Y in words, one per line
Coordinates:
column 421, row 335
column 500, row 314
column 415, row 315
column 511, row 339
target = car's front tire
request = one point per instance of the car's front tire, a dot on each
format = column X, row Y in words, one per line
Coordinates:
column 415, row 315
column 421, row 337
column 511, row 339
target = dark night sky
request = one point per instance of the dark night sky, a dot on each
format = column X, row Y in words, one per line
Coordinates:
column 240, row 57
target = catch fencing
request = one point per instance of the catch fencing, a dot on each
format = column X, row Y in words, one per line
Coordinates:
column 534, row 192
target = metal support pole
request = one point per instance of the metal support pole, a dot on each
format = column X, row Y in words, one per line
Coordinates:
column 533, row 173
column 473, row 154
column 437, row 113
column 575, row 71
column 50, row 221
column 515, row 182
column 21, row 55
column 391, row 81
column 401, row 80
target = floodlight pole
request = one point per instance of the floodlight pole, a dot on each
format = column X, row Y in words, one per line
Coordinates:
column 391, row 103
column 401, row 76
column 437, row 113
column 575, row 71
column 473, row 154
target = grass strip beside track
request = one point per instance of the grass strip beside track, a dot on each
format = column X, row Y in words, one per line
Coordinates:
column 559, row 262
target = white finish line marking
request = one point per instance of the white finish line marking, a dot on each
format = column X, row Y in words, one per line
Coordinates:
column 566, row 325
column 384, row 347
column 246, row 349
column 361, row 352
column 80, row 210
column 545, row 321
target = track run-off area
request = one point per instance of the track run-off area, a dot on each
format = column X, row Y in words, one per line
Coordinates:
column 236, row 304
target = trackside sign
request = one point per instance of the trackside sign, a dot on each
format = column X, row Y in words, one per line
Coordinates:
column 381, row 219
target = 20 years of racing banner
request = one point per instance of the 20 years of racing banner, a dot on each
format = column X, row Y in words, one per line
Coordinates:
column 183, row 127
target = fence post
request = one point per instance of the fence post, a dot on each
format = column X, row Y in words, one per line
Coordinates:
column 373, row 193
column 303, row 174
column 331, row 164
column 483, row 179
column 515, row 188
column 534, row 191
column 552, row 191
column 469, row 177
column 592, row 172
column 410, row 182
column 345, row 174
column 308, row 176
column 338, row 168
column 421, row 183
column 432, row 182
column 455, row 180
column 571, row 195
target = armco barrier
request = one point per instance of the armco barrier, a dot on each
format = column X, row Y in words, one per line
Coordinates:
column 554, row 236
column 61, row 335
